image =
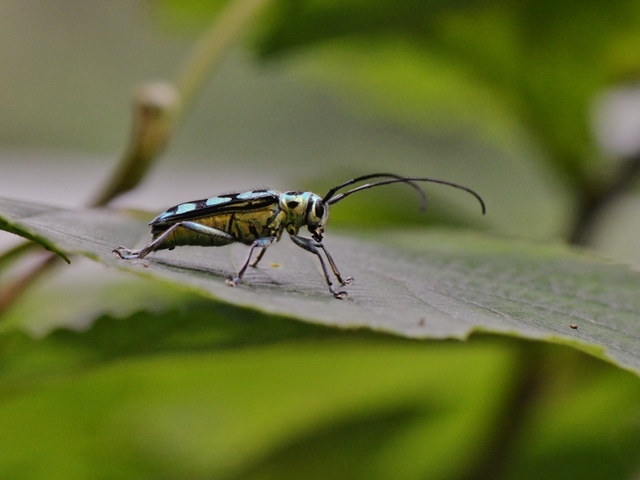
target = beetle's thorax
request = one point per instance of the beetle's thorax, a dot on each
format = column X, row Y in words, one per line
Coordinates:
column 304, row 208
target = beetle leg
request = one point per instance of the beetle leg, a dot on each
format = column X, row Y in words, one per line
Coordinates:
column 127, row 254
column 346, row 280
column 312, row 246
column 259, row 257
column 260, row 242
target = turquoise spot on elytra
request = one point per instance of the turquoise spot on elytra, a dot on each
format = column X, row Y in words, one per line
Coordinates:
column 256, row 195
column 216, row 201
column 185, row 207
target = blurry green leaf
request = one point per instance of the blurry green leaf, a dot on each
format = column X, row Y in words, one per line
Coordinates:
column 218, row 391
column 562, row 439
column 418, row 285
column 75, row 297
column 499, row 66
column 132, row 399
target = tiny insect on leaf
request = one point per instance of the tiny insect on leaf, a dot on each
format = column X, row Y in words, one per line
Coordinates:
column 257, row 218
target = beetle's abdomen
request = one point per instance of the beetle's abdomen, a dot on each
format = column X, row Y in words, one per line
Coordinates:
column 243, row 227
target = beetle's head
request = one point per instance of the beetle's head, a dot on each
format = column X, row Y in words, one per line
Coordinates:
column 316, row 216
column 305, row 208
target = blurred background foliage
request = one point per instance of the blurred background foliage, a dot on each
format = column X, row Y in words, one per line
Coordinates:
column 531, row 103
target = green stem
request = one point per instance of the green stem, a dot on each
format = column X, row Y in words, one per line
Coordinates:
column 155, row 108
column 15, row 253
column 596, row 198
column 10, row 293
column 160, row 107
column 507, row 432
column 214, row 44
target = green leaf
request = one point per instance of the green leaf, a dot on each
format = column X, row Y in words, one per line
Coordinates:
column 215, row 391
column 9, row 221
column 74, row 297
column 500, row 67
column 414, row 284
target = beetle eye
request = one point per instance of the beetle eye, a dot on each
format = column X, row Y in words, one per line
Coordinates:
column 318, row 209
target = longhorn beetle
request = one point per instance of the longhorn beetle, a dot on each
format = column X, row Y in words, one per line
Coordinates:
column 258, row 218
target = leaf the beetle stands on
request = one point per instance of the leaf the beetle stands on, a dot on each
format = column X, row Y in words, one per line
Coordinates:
column 414, row 284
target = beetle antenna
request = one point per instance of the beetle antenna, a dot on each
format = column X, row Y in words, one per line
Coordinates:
column 331, row 197
column 328, row 196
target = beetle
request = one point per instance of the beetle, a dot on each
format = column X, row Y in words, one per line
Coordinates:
column 257, row 218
